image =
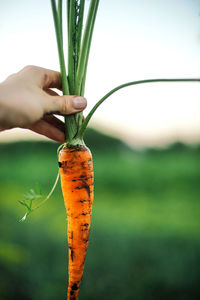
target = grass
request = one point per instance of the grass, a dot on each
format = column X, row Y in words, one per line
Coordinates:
column 145, row 229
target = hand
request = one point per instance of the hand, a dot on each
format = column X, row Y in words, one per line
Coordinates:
column 27, row 101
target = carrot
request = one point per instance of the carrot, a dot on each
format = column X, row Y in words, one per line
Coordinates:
column 77, row 179
column 75, row 159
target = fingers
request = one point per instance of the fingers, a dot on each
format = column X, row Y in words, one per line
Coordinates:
column 46, row 79
column 43, row 78
column 64, row 105
column 50, row 128
column 51, row 119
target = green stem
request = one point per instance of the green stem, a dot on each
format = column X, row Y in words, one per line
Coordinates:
column 60, row 18
column 84, row 53
column 79, row 28
column 68, row 7
column 87, row 119
column 82, row 88
column 71, row 45
column 49, row 195
column 57, row 16
column 75, row 19
column 71, row 128
column 79, row 12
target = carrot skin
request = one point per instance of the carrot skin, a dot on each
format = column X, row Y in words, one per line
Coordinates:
column 77, row 181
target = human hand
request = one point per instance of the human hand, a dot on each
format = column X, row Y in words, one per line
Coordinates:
column 27, row 101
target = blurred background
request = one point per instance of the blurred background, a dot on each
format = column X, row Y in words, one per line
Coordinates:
column 144, row 240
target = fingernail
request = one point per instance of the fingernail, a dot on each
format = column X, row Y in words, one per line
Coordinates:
column 79, row 102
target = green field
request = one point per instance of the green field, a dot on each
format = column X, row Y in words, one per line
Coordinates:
column 145, row 236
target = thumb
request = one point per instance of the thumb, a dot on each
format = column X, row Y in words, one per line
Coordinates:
column 65, row 105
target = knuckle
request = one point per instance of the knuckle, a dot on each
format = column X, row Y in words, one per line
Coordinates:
column 45, row 80
column 65, row 107
column 29, row 68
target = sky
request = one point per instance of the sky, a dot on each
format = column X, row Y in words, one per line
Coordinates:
column 132, row 40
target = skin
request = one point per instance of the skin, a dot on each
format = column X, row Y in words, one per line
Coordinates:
column 28, row 101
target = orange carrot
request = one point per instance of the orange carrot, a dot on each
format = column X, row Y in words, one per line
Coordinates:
column 76, row 171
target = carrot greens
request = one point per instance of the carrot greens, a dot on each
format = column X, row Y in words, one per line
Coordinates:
column 73, row 80
column 79, row 43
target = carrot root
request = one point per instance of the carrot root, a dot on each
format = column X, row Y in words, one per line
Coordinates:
column 77, row 180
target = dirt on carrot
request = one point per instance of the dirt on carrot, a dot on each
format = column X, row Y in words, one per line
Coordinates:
column 77, row 180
